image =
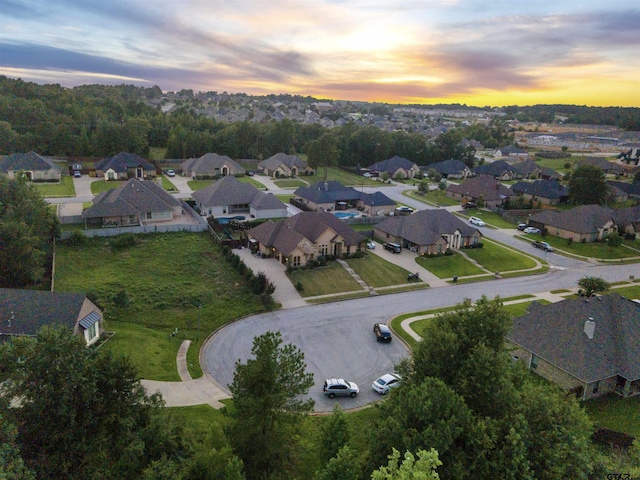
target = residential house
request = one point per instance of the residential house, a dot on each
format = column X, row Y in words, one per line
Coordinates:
column 450, row 169
column 630, row 157
column 590, row 346
column 627, row 219
column 530, row 169
column 304, row 237
column 510, row 151
column 602, row 163
column 211, row 165
column 229, row 196
column 135, row 202
column 326, row 196
column 585, row 223
column 124, row 166
column 32, row 165
column 428, row 232
column 283, row 165
column 395, row 167
column 499, row 170
column 24, row 312
column 484, row 187
column 466, row 143
column 631, row 189
column 544, row 192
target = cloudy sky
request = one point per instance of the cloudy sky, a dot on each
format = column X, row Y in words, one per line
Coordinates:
column 478, row 52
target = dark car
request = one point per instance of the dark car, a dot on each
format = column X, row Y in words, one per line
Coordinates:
column 542, row 245
column 383, row 332
column 393, row 247
column 469, row 205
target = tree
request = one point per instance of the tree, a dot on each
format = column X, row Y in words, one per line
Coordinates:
column 11, row 464
column 590, row 285
column 587, row 185
column 83, row 413
column 423, row 468
column 267, row 406
column 335, row 434
column 323, row 152
column 345, row 466
column 423, row 187
column 26, row 228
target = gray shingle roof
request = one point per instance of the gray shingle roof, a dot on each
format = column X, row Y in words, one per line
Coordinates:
column 425, row 226
column 23, row 312
column 391, row 165
column 448, row 167
column 26, row 161
column 581, row 219
column 496, row 168
column 551, row 189
column 132, row 197
column 208, row 163
column 333, row 191
column 273, row 162
column 230, row 191
column 555, row 333
column 482, row 185
column 122, row 162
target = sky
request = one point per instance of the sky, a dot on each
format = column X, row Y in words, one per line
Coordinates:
column 473, row 52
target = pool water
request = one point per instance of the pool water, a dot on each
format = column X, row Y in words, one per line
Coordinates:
column 346, row 214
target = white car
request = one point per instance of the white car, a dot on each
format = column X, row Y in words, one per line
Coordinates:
column 367, row 174
column 371, row 245
column 531, row 230
column 476, row 221
column 386, row 382
column 171, row 173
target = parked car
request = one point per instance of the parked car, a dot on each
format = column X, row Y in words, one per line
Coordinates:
column 522, row 226
column 469, row 205
column 393, row 247
column 543, row 245
column 171, row 173
column 339, row 387
column 383, row 384
column 371, row 245
column 476, row 221
column 77, row 174
column 367, row 174
column 250, row 173
column 531, row 230
column 382, row 332
column 403, row 210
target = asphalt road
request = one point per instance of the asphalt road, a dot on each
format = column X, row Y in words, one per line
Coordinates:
column 337, row 338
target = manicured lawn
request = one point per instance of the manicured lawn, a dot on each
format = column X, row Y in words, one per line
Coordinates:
column 332, row 278
column 449, row 266
column 63, row 189
column 556, row 164
column 496, row 258
column 632, row 291
column 592, row 249
column 345, row 178
column 167, row 185
column 291, row 183
column 616, row 413
column 377, row 272
column 490, row 218
column 433, row 197
column 199, row 184
column 285, row 198
column 163, row 277
column 100, row 186
column 251, row 181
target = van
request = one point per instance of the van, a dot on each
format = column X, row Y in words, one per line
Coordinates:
column 393, row 247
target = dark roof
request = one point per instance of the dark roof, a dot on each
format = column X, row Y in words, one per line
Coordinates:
column 495, row 169
column 26, row 161
column 333, row 191
column 556, row 333
column 132, row 197
column 273, row 162
column 425, row 227
column 23, row 312
column 209, row 162
column 601, row 163
column 483, row 185
column 581, row 219
column 285, row 235
column 448, row 167
column 122, row 162
column 551, row 189
column 392, row 165
column 231, row 191
column 628, row 188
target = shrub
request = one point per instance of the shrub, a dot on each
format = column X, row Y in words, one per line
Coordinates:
column 569, row 241
column 322, row 260
column 77, row 238
column 122, row 242
column 299, row 286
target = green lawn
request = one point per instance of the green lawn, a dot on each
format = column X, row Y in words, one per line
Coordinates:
column 292, row 183
column 332, row 278
column 167, row 185
column 496, row 258
column 251, row 181
column 490, row 218
column 433, row 197
column 345, row 178
column 100, row 186
column 592, row 249
column 377, row 272
column 164, row 277
column 632, row 291
column 199, row 184
column 285, row 198
column 63, row 189
column 615, row 413
column 448, row 266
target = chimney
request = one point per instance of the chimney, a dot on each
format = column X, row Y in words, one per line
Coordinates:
column 589, row 328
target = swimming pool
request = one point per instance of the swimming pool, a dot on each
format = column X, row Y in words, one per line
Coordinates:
column 346, row 214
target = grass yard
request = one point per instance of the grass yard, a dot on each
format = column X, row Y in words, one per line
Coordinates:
column 448, row 266
column 251, row 181
column 377, row 272
column 199, row 184
column 496, row 258
column 490, row 218
column 63, row 189
column 632, row 291
column 324, row 280
column 433, row 197
column 596, row 250
column 100, row 186
column 616, row 413
column 284, row 198
column 292, row 183
column 167, row 185
column 163, row 278
column 345, row 178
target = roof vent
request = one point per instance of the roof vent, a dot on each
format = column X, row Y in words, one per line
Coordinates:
column 589, row 328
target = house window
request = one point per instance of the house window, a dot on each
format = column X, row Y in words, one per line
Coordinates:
column 534, row 361
column 439, row 248
column 594, row 389
column 296, row 261
column 110, row 175
column 324, row 250
column 149, row 215
column 92, row 331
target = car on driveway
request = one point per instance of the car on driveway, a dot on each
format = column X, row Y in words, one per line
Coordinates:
column 382, row 332
column 371, row 245
column 393, row 247
column 367, row 174
column 171, row 173
column 476, row 221
column 386, row 382
column 522, row 226
column 77, row 174
column 542, row 245
column 403, row 210
column 339, row 387
column 531, row 230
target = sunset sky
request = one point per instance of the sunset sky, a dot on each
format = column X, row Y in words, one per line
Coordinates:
column 477, row 52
